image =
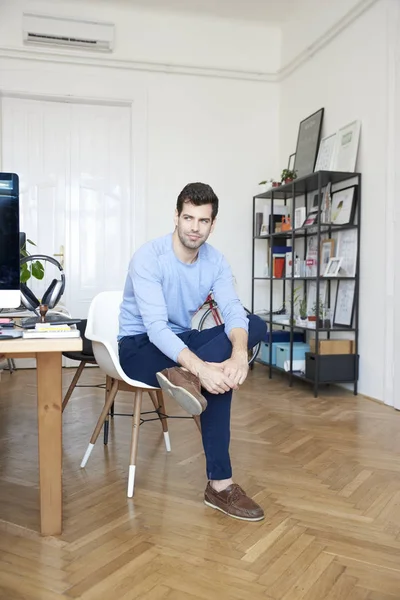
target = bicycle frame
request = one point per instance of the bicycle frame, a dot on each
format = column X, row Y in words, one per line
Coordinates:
column 214, row 309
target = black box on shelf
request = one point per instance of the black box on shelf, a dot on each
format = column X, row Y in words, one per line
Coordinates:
column 340, row 368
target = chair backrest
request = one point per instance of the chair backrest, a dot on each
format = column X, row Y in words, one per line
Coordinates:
column 87, row 344
column 102, row 329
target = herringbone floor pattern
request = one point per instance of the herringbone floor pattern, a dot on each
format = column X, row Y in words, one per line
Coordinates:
column 326, row 470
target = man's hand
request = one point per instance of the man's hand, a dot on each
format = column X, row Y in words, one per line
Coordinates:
column 236, row 367
column 214, row 378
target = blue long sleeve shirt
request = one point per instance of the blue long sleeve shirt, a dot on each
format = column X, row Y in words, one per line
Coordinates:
column 162, row 294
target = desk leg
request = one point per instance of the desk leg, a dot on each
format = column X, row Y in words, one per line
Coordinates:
column 50, row 441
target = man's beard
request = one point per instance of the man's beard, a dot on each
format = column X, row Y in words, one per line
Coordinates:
column 188, row 243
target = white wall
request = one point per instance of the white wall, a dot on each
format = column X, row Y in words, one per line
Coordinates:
column 157, row 37
column 218, row 130
column 312, row 20
column 349, row 79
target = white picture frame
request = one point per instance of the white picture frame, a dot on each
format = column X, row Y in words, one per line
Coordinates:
column 299, row 217
column 345, row 303
column 327, row 252
column 333, row 266
column 343, row 206
column 347, row 249
column 346, row 147
column 326, row 153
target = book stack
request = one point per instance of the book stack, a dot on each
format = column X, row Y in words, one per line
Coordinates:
column 48, row 330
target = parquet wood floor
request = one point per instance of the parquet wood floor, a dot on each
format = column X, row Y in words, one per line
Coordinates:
column 326, row 470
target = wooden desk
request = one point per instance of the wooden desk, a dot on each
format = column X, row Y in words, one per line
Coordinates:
column 49, row 400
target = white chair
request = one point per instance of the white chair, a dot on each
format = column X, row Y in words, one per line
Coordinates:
column 102, row 330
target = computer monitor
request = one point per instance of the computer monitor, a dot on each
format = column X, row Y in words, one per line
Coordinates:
column 10, row 295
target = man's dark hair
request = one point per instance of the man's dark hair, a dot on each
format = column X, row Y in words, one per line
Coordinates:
column 198, row 194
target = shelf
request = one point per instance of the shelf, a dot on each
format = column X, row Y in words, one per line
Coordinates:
column 307, row 231
column 304, row 378
column 322, row 278
column 320, row 329
column 297, row 194
column 299, row 375
column 305, row 184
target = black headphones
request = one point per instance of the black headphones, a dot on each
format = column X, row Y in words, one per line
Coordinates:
column 53, row 293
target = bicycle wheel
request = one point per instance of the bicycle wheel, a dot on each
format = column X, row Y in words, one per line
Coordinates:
column 208, row 320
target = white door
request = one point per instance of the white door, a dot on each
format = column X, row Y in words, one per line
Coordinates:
column 100, row 213
column 35, row 145
column 73, row 161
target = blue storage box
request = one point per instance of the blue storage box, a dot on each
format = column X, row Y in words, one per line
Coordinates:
column 281, row 336
column 278, row 338
column 264, row 352
column 283, row 352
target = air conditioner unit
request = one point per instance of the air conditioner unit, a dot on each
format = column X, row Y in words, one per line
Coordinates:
column 54, row 31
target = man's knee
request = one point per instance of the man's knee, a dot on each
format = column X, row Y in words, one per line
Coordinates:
column 257, row 329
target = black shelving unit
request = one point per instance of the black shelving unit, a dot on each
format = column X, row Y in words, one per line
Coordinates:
column 316, row 182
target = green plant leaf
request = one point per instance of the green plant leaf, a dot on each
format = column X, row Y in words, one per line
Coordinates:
column 37, row 270
column 25, row 274
column 30, row 242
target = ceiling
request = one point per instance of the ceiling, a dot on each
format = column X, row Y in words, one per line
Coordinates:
column 249, row 10
column 253, row 10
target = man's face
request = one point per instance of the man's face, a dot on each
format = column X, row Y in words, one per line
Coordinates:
column 194, row 225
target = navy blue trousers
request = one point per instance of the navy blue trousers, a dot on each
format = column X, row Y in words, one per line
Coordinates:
column 141, row 360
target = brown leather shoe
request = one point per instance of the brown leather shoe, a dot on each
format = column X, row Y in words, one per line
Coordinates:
column 234, row 502
column 184, row 387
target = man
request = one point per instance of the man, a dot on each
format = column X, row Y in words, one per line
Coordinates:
column 168, row 280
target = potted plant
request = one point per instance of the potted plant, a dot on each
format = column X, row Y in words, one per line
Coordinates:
column 302, row 320
column 267, row 184
column 288, row 175
column 313, row 317
column 36, row 268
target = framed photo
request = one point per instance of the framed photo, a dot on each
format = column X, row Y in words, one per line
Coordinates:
column 333, row 267
column 307, row 143
column 311, row 218
column 326, row 204
column 299, row 217
column 311, row 256
column 347, row 249
column 316, row 202
column 327, row 252
column 343, row 206
column 346, row 147
column 326, row 153
column 263, row 230
column 291, row 162
column 344, row 306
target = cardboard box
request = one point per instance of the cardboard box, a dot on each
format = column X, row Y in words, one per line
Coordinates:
column 333, row 346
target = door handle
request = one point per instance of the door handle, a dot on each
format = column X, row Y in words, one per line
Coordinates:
column 61, row 255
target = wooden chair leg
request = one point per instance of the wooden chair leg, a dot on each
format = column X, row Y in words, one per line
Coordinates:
column 102, row 418
column 198, row 422
column 158, row 400
column 135, row 440
column 73, row 384
column 109, row 384
column 164, row 420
